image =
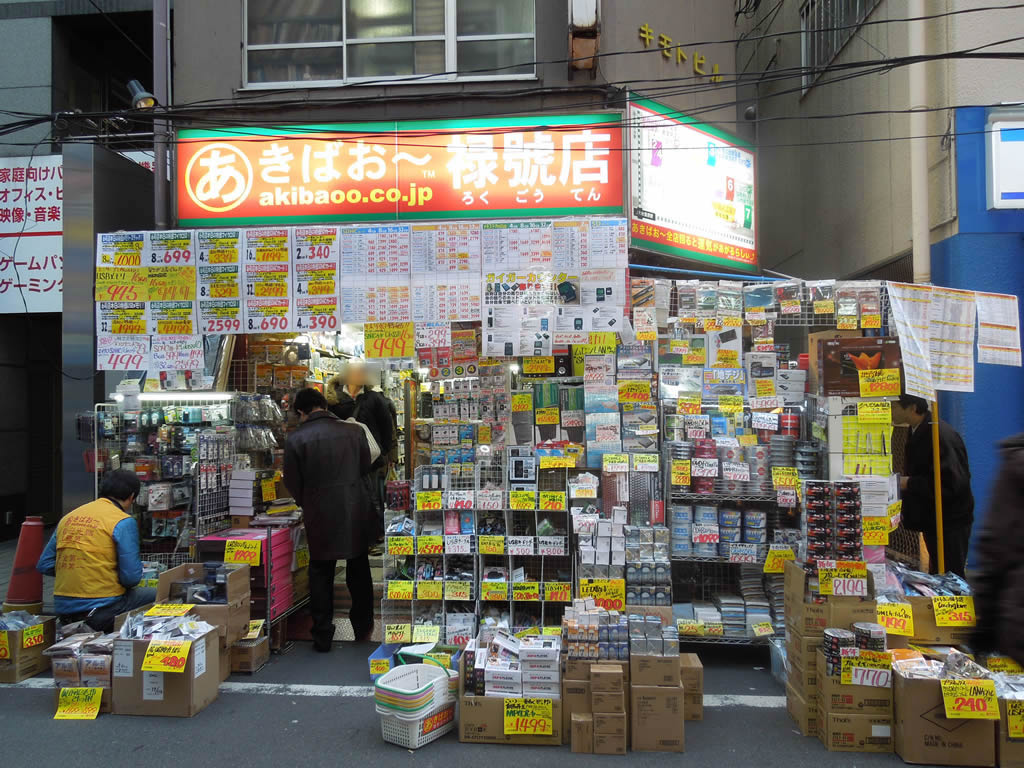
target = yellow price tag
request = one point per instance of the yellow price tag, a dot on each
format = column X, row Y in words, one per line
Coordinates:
column 543, row 416
column 785, row 477
column 954, row 611
column 697, row 357
column 1015, row 718
column 790, row 306
column 522, row 402
column 763, row 629
column 747, row 440
column 5, row 646
column 609, row 594
column 78, row 703
column 426, row 633
column 557, row 591
column 824, row 307
column 552, row 500
column 714, row 629
column 302, row 557
column 691, row 628
column 874, row 412
column 398, row 633
column 775, row 562
column 881, row 382
column 483, row 434
column 268, row 489
column 557, row 462
column 876, row 531
column 493, row 590
column 732, row 321
column 970, row 699
column 727, row 358
column 688, row 404
column 429, row 590
column 897, row 618
column 400, row 545
column 873, row 668
column 458, row 590
column 32, row 636
column 492, row 545
column 526, row 591
column 170, row 609
column 538, row 366
column 871, row 321
column 428, row 501
column 615, row 462
column 730, row 403
column 552, row 631
column 166, row 656
column 380, row 666
column 678, row 346
column 400, row 590
column 527, row 716
column 1003, row 664
column 430, row 545
column 764, row 387
column 522, row 500
column 243, row 551
column 680, row 471
column 254, row 630
column 634, row 391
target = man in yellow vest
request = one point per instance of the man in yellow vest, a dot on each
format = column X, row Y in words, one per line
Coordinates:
column 94, row 554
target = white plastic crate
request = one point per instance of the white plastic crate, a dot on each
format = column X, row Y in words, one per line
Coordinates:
column 413, row 734
column 408, row 691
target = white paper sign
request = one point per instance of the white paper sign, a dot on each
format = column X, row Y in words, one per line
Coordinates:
column 519, row 545
column 458, row 545
column 433, row 335
column 551, row 545
column 704, row 467
column 743, row 553
column 122, row 353
column 177, row 353
column 705, row 534
column 733, row 470
column 769, row 421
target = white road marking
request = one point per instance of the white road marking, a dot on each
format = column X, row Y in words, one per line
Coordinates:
column 366, row 691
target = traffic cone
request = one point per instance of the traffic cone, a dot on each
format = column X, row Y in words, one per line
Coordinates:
column 25, row 591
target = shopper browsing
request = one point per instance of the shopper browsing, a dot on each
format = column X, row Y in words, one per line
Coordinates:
column 918, row 484
column 94, row 555
column 325, row 462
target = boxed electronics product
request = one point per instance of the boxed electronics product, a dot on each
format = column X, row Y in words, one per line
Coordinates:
column 481, row 718
column 923, row 734
column 607, row 702
column 657, row 723
column 810, row 619
column 691, row 672
column 166, row 694
column 834, row 697
column 575, row 700
column 609, row 744
column 24, row 657
column 250, row 655
column 654, row 670
column 812, row 351
column 800, row 649
column 605, row 678
column 803, row 709
column 228, row 584
column 582, row 739
column 846, row 732
column 609, row 724
column 840, row 362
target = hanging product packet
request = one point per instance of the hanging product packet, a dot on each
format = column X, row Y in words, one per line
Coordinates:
column 758, row 302
column 869, row 303
column 788, row 295
column 686, row 301
column 847, row 306
column 823, row 296
column 730, row 303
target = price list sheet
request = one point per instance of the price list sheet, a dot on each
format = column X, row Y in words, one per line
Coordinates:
column 317, row 253
column 220, row 280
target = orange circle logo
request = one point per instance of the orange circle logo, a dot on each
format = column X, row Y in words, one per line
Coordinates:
column 218, row 177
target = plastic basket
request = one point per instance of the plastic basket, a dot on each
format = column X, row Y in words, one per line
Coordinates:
column 407, row 692
column 413, row 734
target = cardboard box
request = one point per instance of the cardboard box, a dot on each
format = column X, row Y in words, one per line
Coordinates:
column 482, row 719
column 232, row 618
column 811, row 619
column 654, row 670
column 575, row 700
column 658, row 718
column 250, row 655
column 924, row 735
column 928, row 632
column 26, row 662
column 607, row 744
column 812, row 351
column 608, row 724
column 842, row 732
column 165, row 694
column 1009, row 752
column 579, row 669
column 834, row 697
column 607, row 702
column 841, row 360
column 604, row 677
column 582, row 739
column 800, row 649
column 225, row 663
column 805, row 682
column 803, row 710
column 691, row 672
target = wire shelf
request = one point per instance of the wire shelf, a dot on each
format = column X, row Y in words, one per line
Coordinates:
column 719, row 498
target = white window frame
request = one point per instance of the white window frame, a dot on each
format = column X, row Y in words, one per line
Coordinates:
column 826, row 26
column 451, row 40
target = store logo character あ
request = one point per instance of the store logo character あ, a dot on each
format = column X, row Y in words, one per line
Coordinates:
column 218, row 177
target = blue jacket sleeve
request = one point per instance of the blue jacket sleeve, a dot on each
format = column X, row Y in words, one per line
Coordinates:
column 48, row 560
column 129, row 564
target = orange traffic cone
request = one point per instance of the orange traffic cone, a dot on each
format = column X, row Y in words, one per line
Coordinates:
column 25, row 592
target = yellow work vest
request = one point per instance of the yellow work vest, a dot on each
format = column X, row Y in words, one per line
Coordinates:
column 86, row 552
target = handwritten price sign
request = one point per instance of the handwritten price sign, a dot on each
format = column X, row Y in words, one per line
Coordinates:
column 458, row 590
column 492, row 545
column 527, row 716
column 458, row 544
column 874, row 412
column 429, row 590
column 882, row 382
column 557, row 462
column 400, row 590
column 634, row 391
column 78, row 703
column 688, row 404
column 458, row 500
column 730, row 403
column 705, row 534
column 552, row 500
column 763, row 629
column 493, row 590
column 778, row 554
column 897, row 618
column 552, row 546
column 1003, row 664
column 732, row 470
column 389, row 340
column 970, row 699
column 242, row 551
column 609, row 594
column 522, row 500
column 268, row 489
column 954, row 611
column 1015, row 719
column 615, row 462
column 557, row 592
column 526, row 592
column 166, row 656
column 743, row 553
column 398, row 633
column 426, row 633
column 704, row 467
column 764, row 387
column 545, row 416
column 522, row 402
column 645, row 462
column 520, row 545
column 400, row 545
column 429, row 545
column 538, row 366
column 876, row 531
column 32, row 636
column 254, row 630
column 872, row 668
column 785, row 477
column 170, row 609
column 5, row 646
column 428, row 501
column 680, row 472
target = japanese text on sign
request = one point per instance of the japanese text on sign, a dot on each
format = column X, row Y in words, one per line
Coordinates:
column 243, row 551
column 607, row 593
column 897, row 618
column 78, row 703
column 389, row 340
column 527, row 716
column 881, row 382
column 954, row 611
column 970, row 699
column 166, row 656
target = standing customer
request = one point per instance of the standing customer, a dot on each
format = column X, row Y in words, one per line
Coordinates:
column 999, row 587
column 918, row 484
column 325, row 460
column 94, row 554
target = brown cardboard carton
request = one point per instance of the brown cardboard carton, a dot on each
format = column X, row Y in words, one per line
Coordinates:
column 802, row 709
column 225, row 663
column 579, row 669
column 806, row 683
column 250, row 655
column 575, row 700
column 607, row 702
column 608, row 724
column 811, row 619
column 605, row 677
column 927, row 631
column 482, row 719
column 166, row 694
column 834, row 697
column 654, row 670
column 812, row 351
column 691, row 671
column 582, row 733
column 607, row 744
column 658, row 718
column 231, row 618
column 23, row 662
column 924, row 735
column 800, row 649
column 843, row 732
column 1009, row 752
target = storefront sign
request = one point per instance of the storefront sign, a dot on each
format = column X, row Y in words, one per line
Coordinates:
column 497, row 167
column 970, row 699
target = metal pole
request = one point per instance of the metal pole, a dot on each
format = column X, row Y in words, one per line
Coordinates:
column 918, row 95
column 161, row 34
column 936, row 462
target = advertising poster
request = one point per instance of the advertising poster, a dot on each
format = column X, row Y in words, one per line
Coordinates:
column 122, row 353
column 220, row 280
column 315, row 278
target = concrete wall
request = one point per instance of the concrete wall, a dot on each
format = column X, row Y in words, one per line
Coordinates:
column 25, row 84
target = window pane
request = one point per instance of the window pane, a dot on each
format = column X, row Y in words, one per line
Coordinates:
column 295, row 65
column 387, row 59
column 394, row 18
column 517, row 55
column 495, row 17
column 294, row 21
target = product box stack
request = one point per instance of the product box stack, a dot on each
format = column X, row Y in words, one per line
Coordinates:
column 83, row 660
column 657, row 702
column 270, row 581
column 246, row 496
column 578, row 702
column 540, row 662
column 878, row 495
column 608, row 710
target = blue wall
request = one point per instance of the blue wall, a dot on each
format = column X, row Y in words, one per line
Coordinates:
column 986, row 255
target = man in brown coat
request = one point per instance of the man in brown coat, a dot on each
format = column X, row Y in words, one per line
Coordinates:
column 325, row 461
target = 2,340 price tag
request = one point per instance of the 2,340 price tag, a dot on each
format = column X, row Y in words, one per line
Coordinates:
column 243, row 551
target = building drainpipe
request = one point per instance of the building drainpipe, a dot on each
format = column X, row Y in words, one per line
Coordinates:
column 161, row 90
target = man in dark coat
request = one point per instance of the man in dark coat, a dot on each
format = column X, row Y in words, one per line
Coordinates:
column 999, row 587
column 325, row 461
column 918, row 484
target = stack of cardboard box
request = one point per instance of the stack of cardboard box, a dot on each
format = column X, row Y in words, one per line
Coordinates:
column 852, row 718
column 657, row 703
column 691, row 672
column 608, row 707
column 577, row 699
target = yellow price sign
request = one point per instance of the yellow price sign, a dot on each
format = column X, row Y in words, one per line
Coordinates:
column 522, row 500
column 166, row 656
column 32, row 636
column 954, row 611
column 873, row 668
column 552, row 631
column 688, row 404
column 764, row 387
column 538, row 366
column 557, row 591
column 268, row 489
column 557, row 462
column 691, row 628
column 492, row 545
column 5, row 646
column 493, row 590
column 727, row 358
column 400, row 590
column 897, row 618
column 714, row 629
column 483, row 434
column 747, row 440
column 78, row 703
column 527, row 717
column 398, row 633
column 430, row 545
column 526, row 591
column 763, row 629
column 426, row 633
column 243, row 551
column 1003, row 664
column 1015, row 718
column 876, row 531
column 680, row 471
column 785, row 477
column 458, row 590
column 429, row 590
column 881, row 382
column 871, row 320
column 732, row 321
column 609, row 594
column 170, row 609
column 730, row 403
column 380, row 666
column 970, row 699
column 824, row 307
column 400, row 545
column 302, row 557
column 634, row 391
column 874, row 412
column 543, row 416
column 697, row 357
column 428, row 501
column 552, row 500
column 678, row 346
column 522, row 402
column 615, row 462
column 254, row 630
column 775, row 562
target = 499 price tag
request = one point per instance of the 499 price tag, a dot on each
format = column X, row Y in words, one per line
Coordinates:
column 242, row 551
column 166, row 656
